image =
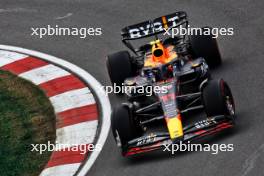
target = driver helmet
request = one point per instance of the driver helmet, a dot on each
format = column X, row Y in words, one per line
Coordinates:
column 159, row 53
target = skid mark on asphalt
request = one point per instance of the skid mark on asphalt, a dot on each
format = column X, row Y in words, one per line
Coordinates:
column 251, row 160
column 63, row 17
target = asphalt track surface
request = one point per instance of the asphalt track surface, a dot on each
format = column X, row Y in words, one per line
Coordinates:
column 242, row 69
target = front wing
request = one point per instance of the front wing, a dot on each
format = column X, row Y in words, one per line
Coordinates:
column 192, row 132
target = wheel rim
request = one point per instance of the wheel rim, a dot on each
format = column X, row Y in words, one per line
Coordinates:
column 229, row 101
column 230, row 106
column 117, row 138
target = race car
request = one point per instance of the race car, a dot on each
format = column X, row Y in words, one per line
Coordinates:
column 179, row 67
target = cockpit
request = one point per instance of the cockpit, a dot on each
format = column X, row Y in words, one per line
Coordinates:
column 159, row 54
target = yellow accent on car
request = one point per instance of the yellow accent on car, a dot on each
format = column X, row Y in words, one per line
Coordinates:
column 175, row 127
column 195, row 65
column 164, row 21
column 154, row 42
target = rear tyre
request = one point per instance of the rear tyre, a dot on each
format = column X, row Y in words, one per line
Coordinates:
column 217, row 99
column 206, row 46
column 119, row 67
column 124, row 126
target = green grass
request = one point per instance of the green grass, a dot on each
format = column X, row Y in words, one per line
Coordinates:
column 26, row 117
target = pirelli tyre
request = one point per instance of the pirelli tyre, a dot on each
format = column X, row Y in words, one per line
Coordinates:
column 206, row 46
column 124, row 126
column 119, row 67
column 218, row 99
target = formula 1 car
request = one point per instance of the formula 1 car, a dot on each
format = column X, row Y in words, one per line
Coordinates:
column 179, row 67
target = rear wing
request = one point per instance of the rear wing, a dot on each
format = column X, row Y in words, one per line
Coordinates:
column 152, row 27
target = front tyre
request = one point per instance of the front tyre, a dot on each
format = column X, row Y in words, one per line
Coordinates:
column 124, row 126
column 218, row 99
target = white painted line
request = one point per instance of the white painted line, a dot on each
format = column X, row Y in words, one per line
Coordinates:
column 94, row 85
column 61, row 170
column 80, row 133
column 19, row 9
column 63, row 17
column 7, row 57
column 44, row 74
column 72, row 99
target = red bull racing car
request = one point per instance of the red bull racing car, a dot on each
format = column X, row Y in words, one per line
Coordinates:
column 177, row 66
